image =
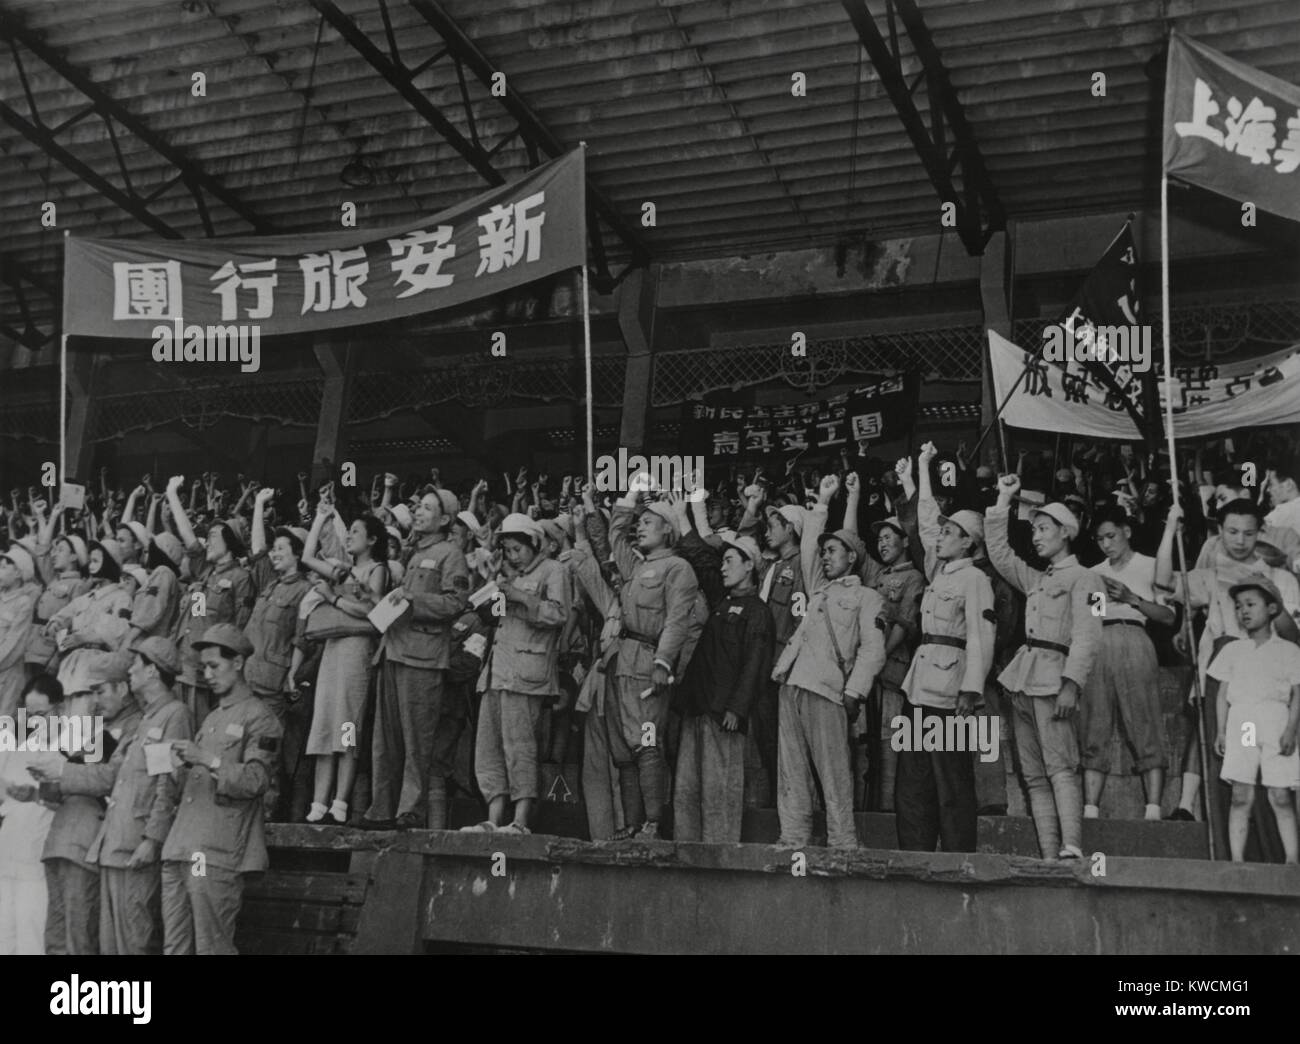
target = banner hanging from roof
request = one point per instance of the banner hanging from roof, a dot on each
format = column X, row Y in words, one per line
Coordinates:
column 1208, row 399
column 1232, row 129
column 500, row 239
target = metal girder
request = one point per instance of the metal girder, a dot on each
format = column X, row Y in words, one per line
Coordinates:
column 534, row 135
column 134, row 202
column 948, row 145
column 28, row 334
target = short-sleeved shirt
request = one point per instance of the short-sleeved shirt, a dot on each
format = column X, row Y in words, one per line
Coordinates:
column 1138, row 574
column 1256, row 674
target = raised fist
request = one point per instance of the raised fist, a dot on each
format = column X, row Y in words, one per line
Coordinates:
column 928, row 452
column 852, row 483
column 175, row 482
column 1009, row 485
column 264, row 494
column 830, row 485
column 390, row 480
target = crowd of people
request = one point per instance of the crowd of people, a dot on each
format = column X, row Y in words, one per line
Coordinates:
column 252, row 658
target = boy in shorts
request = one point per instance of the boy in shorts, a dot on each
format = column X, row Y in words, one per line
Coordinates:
column 1258, row 703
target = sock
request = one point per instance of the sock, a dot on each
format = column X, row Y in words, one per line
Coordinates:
column 339, row 811
column 317, row 812
column 1153, row 812
column 1043, row 808
column 1191, row 790
column 1068, row 789
column 1091, row 812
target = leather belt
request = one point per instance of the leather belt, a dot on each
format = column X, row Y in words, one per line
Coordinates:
column 623, row 633
column 1038, row 643
column 1128, row 623
column 943, row 639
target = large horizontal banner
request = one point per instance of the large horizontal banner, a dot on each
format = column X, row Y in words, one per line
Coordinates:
column 1232, row 129
column 881, row 412
column 1208, row 398
column 285, row 284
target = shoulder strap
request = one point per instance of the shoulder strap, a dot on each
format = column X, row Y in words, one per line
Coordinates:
column 835, row 644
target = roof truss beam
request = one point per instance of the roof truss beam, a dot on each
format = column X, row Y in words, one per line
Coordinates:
column 947, row 147
column 135, row 202
column 536, row 138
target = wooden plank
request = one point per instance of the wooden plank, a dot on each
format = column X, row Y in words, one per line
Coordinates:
column 308, row 887
column 297, row 917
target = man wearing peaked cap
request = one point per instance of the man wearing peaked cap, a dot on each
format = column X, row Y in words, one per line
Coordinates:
column 233, row 758
column 782, row 586
column 521, row 675
column 658, row 621
column 411, row 673
column 78, row 785
column 900, row 585
column 1050, row 671
column 935, row 798
column 826, row 672
column 727, row 673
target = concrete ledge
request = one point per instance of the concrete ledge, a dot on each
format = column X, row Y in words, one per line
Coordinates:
column 445, row 890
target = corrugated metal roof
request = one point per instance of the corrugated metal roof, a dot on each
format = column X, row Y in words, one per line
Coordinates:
column 686, row 104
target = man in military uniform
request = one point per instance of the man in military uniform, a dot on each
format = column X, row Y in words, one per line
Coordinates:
column 782, row 587
column 658, row 604
column 900, row 585
column 413, row 658
column 1047, row 675
column 71, row 875
column 217, row 835
column 826, row 672
column 936, row 796
column 140, row 806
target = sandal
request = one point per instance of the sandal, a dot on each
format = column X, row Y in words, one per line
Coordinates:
column 485, row 827
column 625, row 834
column 513, row 828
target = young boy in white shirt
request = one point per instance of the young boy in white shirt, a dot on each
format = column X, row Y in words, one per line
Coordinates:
column 1258, row 703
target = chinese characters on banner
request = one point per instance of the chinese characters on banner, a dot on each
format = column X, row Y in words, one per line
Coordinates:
column 1232, row 129
column 743, row 434
column 1208, row 399
column 508, row 236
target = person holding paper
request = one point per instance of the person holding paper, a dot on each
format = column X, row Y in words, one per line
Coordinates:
column 71, row 873
column 217, row 836
column 413, row 659
column 141, row 805
column 521, row 673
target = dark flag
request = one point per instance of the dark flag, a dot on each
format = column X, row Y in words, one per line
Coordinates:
column 1106, row 316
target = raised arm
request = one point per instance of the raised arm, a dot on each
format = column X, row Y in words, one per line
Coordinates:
column 813, row 526
column 1013, row 568
column 182, row 520
column 258, row 539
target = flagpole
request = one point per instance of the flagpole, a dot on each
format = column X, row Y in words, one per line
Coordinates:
column 1206, row 781
column 57, row 494
column 586, row 346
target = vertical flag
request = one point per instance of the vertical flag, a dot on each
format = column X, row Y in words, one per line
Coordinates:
column 1106, row 310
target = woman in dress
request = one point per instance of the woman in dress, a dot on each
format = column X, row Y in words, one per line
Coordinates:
column 353, row 588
